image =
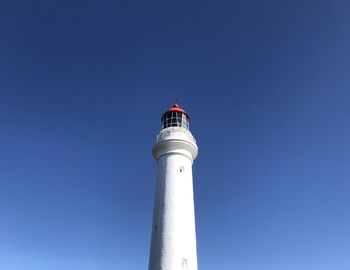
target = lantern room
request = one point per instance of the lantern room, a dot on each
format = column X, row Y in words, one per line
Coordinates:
column 175, row 117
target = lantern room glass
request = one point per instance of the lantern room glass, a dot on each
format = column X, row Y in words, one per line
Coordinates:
column 175, row 119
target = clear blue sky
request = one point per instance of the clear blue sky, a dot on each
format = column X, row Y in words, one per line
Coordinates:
column 82, row 88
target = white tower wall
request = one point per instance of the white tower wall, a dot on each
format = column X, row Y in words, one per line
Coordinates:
column 173, row 243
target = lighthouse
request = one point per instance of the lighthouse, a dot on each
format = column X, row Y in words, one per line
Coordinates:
column 173, row 241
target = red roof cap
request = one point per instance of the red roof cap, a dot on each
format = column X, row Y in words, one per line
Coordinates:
column 176, row 108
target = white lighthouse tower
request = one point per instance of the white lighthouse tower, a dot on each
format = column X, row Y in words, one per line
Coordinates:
column 173, row 243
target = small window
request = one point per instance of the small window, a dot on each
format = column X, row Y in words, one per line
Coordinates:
column 182, row 169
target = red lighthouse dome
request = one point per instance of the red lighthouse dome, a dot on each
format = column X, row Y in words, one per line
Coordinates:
column 175, row 117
